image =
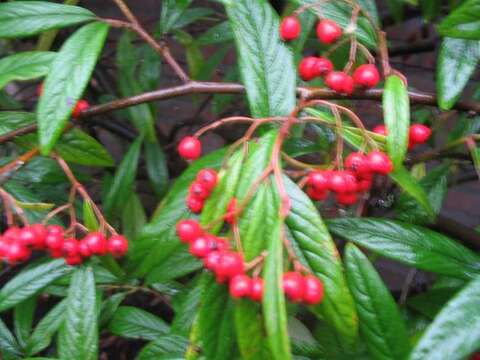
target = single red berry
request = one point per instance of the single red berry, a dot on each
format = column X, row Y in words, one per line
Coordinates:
column 308, row 68
column 419, row 134
column 366, row 76
column 4, row 244
column 117, row 245
column 351, row 183
column 190, row 148
column 208, row 178
column 17, row 252
column 27, row 236
column 198, row 190
column 80, row 106
column 212, row 259
column 358, row 163
column 256, row 292
column 380, row 162
column 40, row 235
column 201, row 246
column 55, row 229
column 195, row 204
column 290, row 28
column 229, row 265
column 317, row 195
column 319, row 180
column 70, row 248
column 231, row 216
column 340, row 82
column 188, row 230
column 240, row 286
column 84, row 250
column 12, row 234
column 293, row 286
column 313, row 290
column 380, row 130
column 97, row 243
column 324, row 66
column 328, row 31
column 347, row 198
column 364, row 185
column 54, row 240
column 338, row 182
column 73, row 260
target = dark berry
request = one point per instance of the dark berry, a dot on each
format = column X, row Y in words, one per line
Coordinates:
column 293, row 286
column 188, row 230
column 366, row 76
column 240, row 286
column 328, row 31
column 190, row 148
column 313, row 290
column 290, row 28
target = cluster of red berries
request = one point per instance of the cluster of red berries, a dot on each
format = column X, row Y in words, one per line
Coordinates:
column 229, row 266
column 365, row 76
column 201, row 189
column 80, row 106
column 190, row 148
column 17, row 244
column 418, row 134
column 347, row 184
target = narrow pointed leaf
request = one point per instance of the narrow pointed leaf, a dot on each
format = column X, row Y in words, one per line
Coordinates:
column 25, row 66
column 135, row 323
column 23, row 318
column 8, row 344
column 463, row 22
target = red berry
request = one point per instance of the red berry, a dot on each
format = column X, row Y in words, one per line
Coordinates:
column 40, row 235
column 380, row 162
column 338, row 182
column 324, row 66
column 351, row 183
column 188, row 230
column 27, row 236
column 117, row 246
column 240, row 286
column 231, row 216
column 419, row 134
column 317, row 195
column 212, row 259
column 364, row 185
column 380, row 130
column 290, row 28
column 308, row 68
column 313, row 290
column 12, row 234
column 201, row 246
column 366, row 76
column 293, row 286
column 319, row 180
column 340, row 82
column 198, row 191
column 229, row 265
column 17, row 252
column 358, row 163
column 328, row 31
column 70, row 248
column 195, row 204
column 347, row 198
column 256, row 292
column 54, row 240
column 54, row 229
column 208, row 178
column 221, row 244
column 3, row 248
column 190, row 148
column 84, row 250
column 56, row 253
column 97, row 243
column 73, row 260
column 81, row 105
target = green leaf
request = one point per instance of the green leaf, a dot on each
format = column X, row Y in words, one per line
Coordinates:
column 220, row 33
column 274, row 307
column 78, row 336
column 124, row 179
column 455, row 332
column 396, row 8
column 23, row 319
column 179, row 264
column 463, row 22
column 68, row 78
column 46, row 328
column 431, row 302
column 266, row 64
column 157, row 169
column 165, row 345
column 409, row 244
column 380, row 321
column 30, row 282
column 186, row 304
column 109, row 308
column 172, row 10
column 457, row 62
column 133, row 217
column 8, row 344
column 26, row 18
column 89, row 218
column 396, row 112
column 216, row 320
column 316, row 249
column 26, row 65
column 11, row 120
column 410, row 185
column 135, row 323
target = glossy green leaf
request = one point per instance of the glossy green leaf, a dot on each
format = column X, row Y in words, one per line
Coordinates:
column 463, row 22
column 135, row 323
column 457, row 61
column 64, row 85
column 216, row 320
column 134, row 217
column 274, row 306
column 316, row 249
column 381, row 324
column 179, row 264
column 78, row 336
column 46, row 328
column 26, row 18
column 123, row 180
column 165, row 345
column 455, row 332
column 23, row 319
column 186, row 304
column 172, row 10
column 8, row 345
column 396, row 114
column 89, row 218
column 409, row 244
column 266, row 64
column 109, row 308
column 25, row 66
column 431, row 302
column 11, row 120
column 220, row 33
column 30, row 282
column 410, row 185
column 157, row 169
